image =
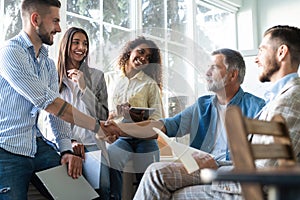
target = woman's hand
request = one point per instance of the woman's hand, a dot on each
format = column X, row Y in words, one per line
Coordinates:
column 123, row 110
column 77, row 76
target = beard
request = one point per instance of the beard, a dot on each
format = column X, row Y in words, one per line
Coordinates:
column 271, row 68
column 43, row 35
column 217, row 85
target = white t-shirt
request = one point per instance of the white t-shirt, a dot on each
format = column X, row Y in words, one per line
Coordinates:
column 220, row 146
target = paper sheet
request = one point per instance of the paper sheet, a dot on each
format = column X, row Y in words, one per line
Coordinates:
column 182, row 151
column 91, row 168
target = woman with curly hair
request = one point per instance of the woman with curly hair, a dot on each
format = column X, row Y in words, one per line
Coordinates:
column 140, row 85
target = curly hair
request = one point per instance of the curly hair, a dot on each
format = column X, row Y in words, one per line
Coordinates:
column 154, row 68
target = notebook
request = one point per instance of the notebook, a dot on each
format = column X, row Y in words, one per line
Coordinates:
column 91, row 168
column 183, row 152
column 63, row 187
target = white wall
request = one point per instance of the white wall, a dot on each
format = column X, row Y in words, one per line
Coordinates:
column 277, row 12
column 251, row 83
column 257, row 16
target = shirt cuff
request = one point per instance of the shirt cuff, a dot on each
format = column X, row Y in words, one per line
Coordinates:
column 64, row 145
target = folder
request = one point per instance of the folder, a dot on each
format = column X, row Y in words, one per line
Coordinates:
column 63, row 187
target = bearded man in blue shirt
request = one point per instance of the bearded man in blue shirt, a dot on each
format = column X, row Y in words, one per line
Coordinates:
column 203, row 121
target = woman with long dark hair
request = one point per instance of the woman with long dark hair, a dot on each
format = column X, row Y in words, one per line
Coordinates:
column 85, row 89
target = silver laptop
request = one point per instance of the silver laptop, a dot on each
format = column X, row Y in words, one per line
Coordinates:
column 63, row 187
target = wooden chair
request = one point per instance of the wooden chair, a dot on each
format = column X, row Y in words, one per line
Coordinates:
column 244, row 153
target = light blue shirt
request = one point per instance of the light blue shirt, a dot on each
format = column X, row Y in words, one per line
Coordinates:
column 200, row 119
column 271, row 93
column 27, row 84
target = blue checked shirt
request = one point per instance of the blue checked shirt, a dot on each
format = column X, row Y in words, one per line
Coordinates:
column 27, row 84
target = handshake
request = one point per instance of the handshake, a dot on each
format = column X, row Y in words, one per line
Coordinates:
column 109, row 131
column 136, row 124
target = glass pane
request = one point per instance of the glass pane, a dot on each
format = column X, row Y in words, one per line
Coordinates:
column 12, row 18
column 215, row 27
column 153, row 17
column 114, row 40
column 84, row 7
column 183, row 67
column 177, row 19
column 93, row 31
column 117, row 12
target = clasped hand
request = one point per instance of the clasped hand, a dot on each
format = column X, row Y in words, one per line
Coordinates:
column 77, row 76
column 109, row 131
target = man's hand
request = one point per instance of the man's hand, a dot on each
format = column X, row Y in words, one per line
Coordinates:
column 110, row 139
column 74, row 164
column 111, row 128
column 205, row 161
column 78, row 149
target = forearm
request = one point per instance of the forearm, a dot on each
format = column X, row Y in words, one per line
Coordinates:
column 142, row 129
column 68, row 113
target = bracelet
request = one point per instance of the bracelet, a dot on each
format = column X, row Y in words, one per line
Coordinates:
column 65, row 152
column 97, row 126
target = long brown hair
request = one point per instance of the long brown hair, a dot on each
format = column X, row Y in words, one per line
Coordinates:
column 154, row 68
column 64, row 52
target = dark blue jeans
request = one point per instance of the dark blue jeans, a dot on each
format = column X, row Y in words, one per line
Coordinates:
column 16, row 170
column 141, row 152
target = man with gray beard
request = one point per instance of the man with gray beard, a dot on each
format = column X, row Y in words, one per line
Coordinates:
column 203, row 121
column 278, row 58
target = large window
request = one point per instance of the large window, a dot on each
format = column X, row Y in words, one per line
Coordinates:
column 185, row 30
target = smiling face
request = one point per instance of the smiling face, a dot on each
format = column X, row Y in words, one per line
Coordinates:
column 49, row 25
column 79, row 47
column 266, row 59
column 139, row 57
column 216, row 75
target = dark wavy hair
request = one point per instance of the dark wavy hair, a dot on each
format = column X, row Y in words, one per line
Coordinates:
column 154, row 68
column 64, row 52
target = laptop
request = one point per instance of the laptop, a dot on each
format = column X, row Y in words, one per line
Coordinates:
column 63, row 187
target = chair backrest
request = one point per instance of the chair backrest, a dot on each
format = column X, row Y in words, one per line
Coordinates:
column 244, row 153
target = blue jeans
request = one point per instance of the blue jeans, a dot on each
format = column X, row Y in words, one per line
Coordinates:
column 141, row 152
column 104, row 190
column 17, row 170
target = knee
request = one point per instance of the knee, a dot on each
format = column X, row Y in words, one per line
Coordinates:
column 155, row 167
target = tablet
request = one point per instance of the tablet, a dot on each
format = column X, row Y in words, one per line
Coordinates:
column 138, row 110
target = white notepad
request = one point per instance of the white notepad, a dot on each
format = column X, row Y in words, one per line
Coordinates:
column 91, row 168
column 63, row 187
column 182, row 152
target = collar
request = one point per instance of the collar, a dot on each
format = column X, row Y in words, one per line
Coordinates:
column 140, row 75
column 236, row 98
column 272, row 91
column 28, row 44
